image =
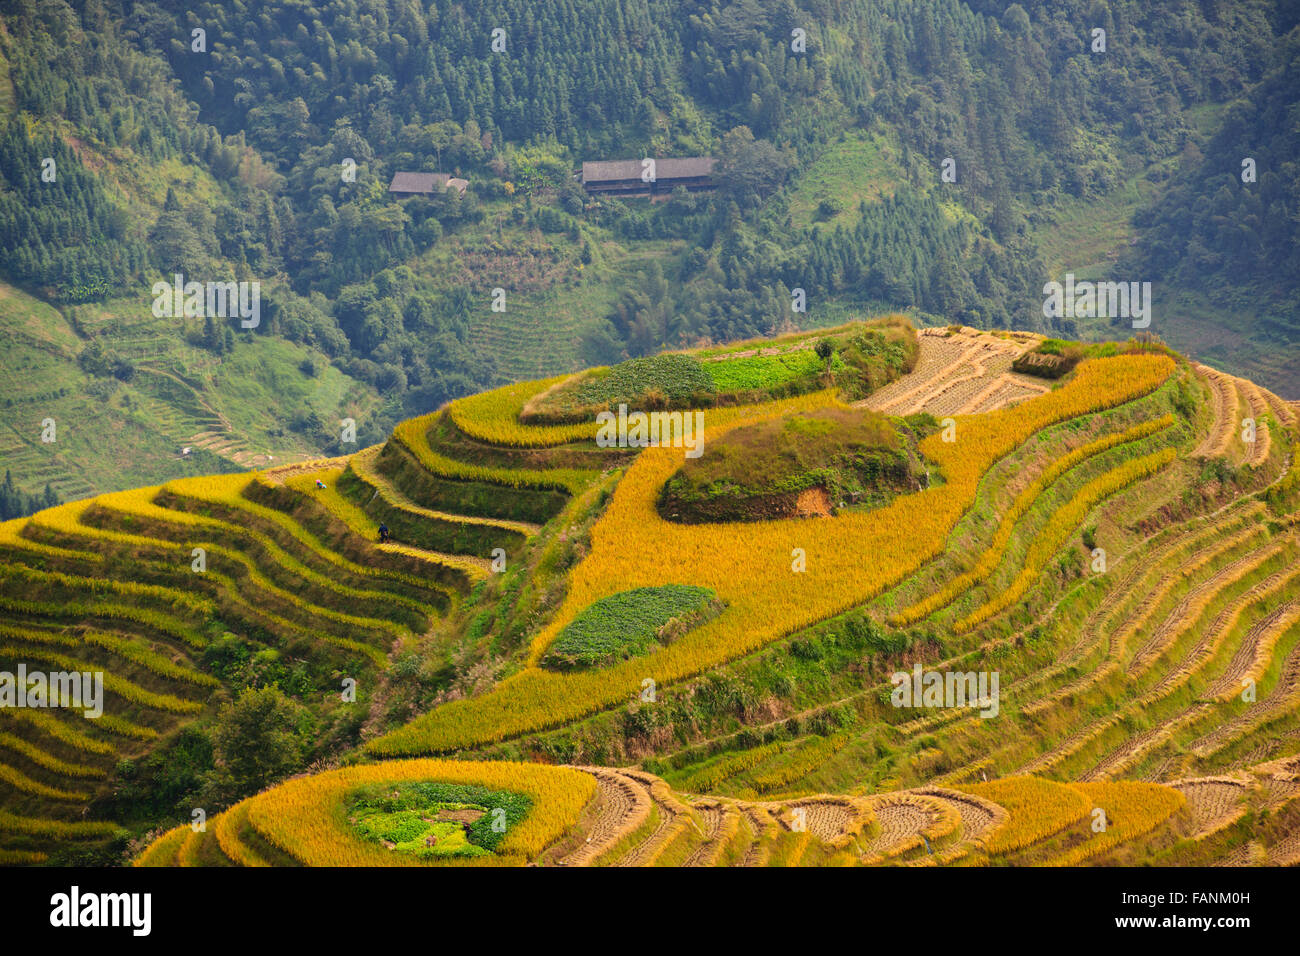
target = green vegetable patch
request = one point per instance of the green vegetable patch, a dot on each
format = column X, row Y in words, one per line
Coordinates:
column 436, row 820
column 629, row 624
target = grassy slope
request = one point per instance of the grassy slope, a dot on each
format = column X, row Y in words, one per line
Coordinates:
column 1087, row 238
column 859, row 167
column 134, row 436
column 115, row 435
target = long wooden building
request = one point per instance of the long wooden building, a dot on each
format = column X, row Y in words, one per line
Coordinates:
column 624, row 176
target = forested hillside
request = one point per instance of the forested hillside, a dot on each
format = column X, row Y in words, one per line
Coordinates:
column 218, row 140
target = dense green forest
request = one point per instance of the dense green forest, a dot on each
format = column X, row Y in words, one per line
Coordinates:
column 217, row 139
column 15, row 504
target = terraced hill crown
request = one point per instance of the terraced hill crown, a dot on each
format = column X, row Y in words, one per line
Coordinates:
column 1113, row 543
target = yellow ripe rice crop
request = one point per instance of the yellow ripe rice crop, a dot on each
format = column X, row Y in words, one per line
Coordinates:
column 128, row 650
column 992, row 556
column 227, row 490
column 1132, row 809
column 709, row 776
column 157, row 663
column 803, row 760
column 20, row 857
column 48, row 723
column 850, row 558
column 124, row 728
column 306, row 817
column 227, row 826
column 51, row 763
column 20, row 781
column 475, row 568
column 39, row 636
column 116, row 685
column 788, row 848
column 363, row 466
column 1062, row 524
column 493, row 417
column 1037, row 809
column 188, row 854
column 284, row 626
column 253, row 575
column 139, row 503
column 11, row 537
column 60, row 829
column 413, row 435
column 164, row 850
column 367, row 527
column 169, row 596
column 51, row 725
column 333, row 502
column 156, row 620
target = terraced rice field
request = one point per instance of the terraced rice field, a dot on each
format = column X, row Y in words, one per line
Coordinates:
column 1107, row 545
column 959, row 373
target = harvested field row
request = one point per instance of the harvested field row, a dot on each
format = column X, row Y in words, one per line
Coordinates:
column 1224, row 401
column 1283, row 699
column 1007, row 389
column 1214, row 802
column 1201, row 654
column 1277, row 619
column 950, row 372
column 1178, row 622
column 1254, row 401
column 1137, row 582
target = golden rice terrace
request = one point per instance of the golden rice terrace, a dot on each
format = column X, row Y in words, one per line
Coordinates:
column 943, row 598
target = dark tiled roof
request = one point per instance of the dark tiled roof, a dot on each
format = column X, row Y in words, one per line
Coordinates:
column 418, row 182
column 616, row 169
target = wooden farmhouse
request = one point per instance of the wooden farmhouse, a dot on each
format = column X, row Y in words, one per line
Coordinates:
column 624, row 177
column 425, row 184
